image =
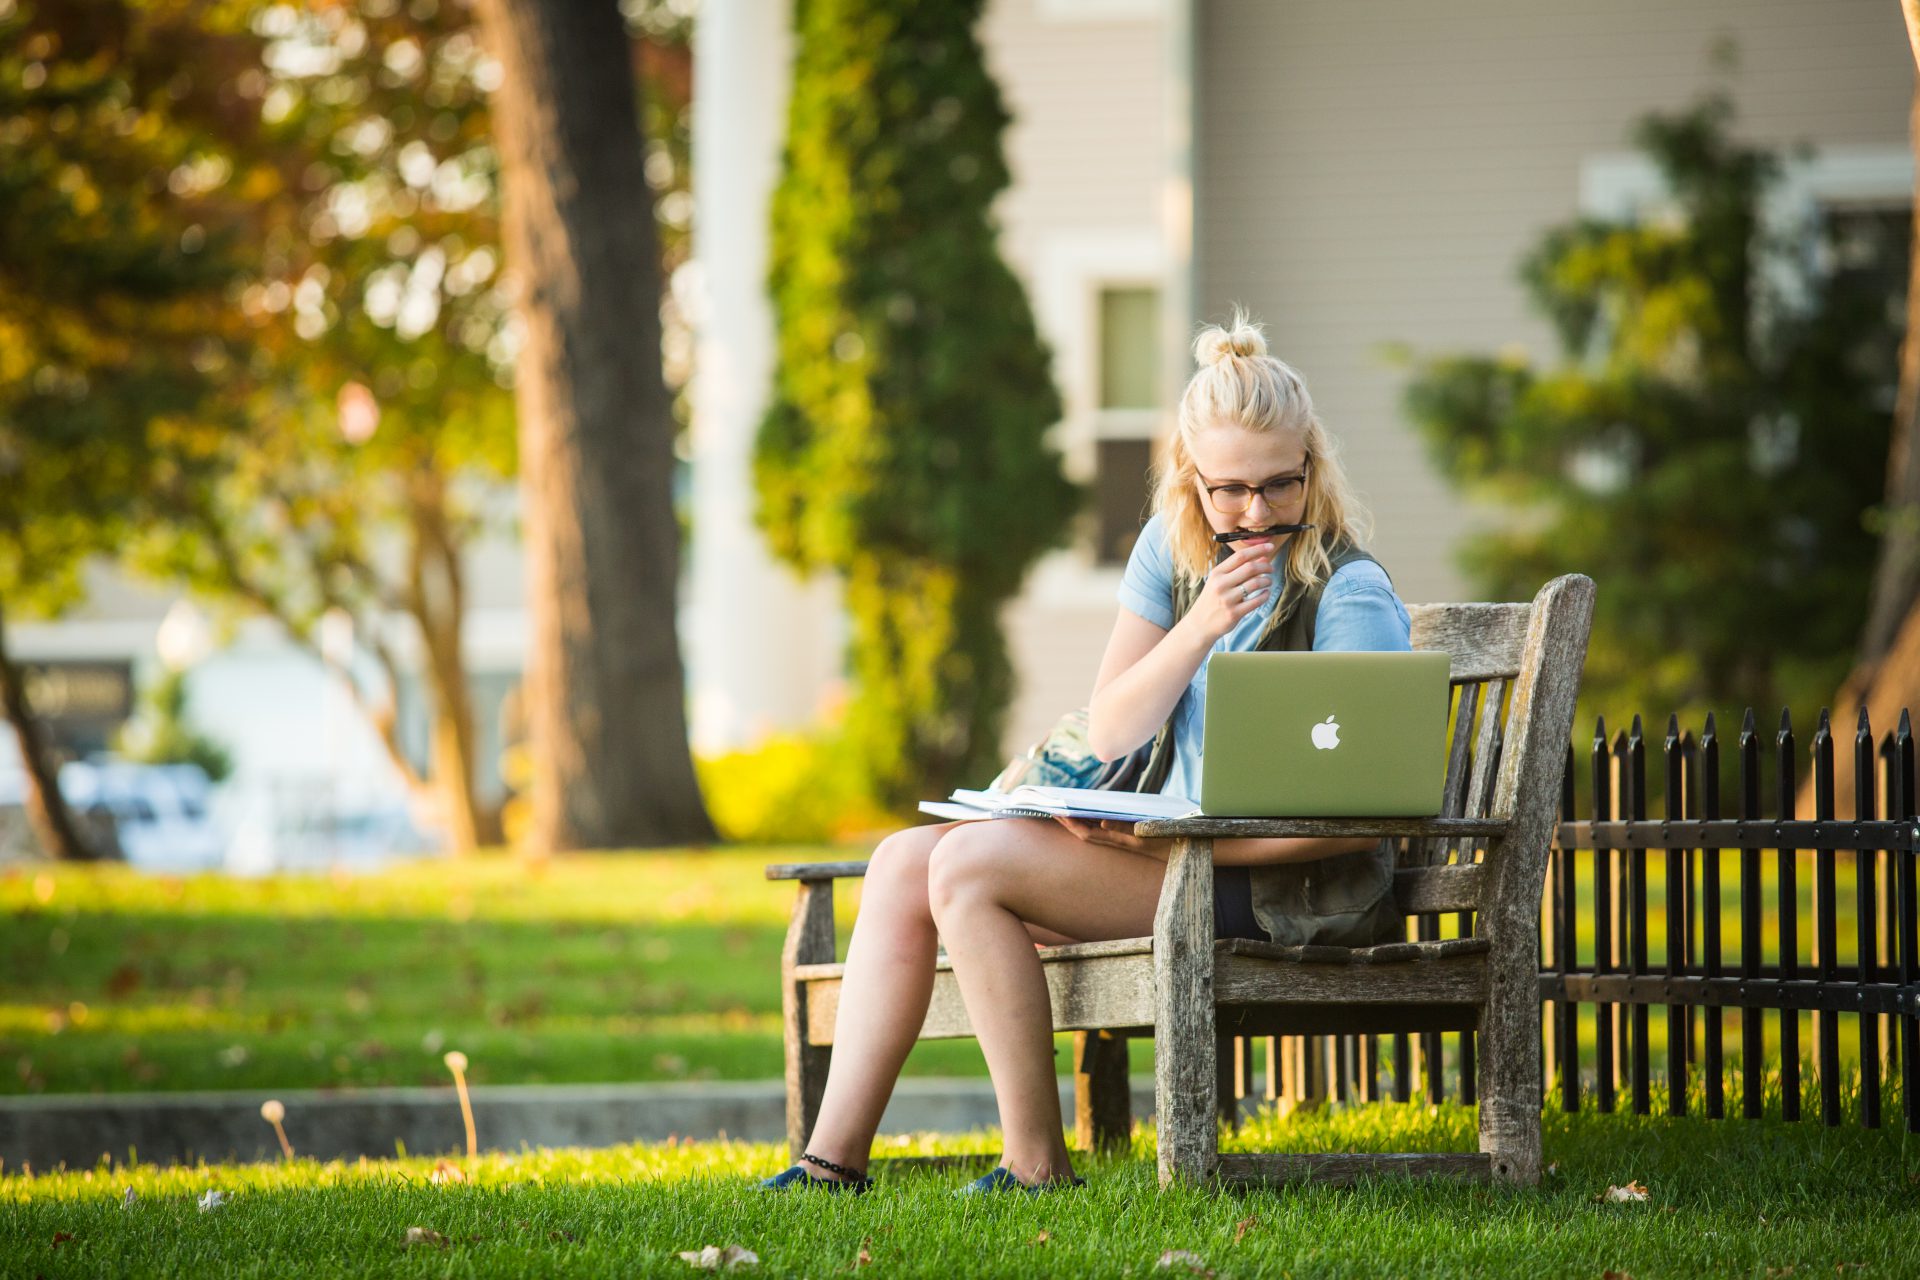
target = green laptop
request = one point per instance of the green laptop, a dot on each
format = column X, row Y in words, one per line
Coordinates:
column 1325, row 735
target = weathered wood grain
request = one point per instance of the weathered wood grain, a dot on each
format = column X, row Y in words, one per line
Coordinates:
column 1319, row 1019
column 1484, row 640
column 1459, row 979
column 1345, row 1167
column 804, row 871
column 1451, row 888
column 809, row 941
column 1111, row 992
column 1527, row 789
column 1183, row 1043
column 1224, row 827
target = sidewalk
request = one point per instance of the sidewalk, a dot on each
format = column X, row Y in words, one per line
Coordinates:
column 175, row 1128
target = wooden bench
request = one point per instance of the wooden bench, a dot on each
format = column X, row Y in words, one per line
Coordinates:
column 1486, row 855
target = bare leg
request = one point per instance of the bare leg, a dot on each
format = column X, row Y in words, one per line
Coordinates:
column 883, row 996
column 990, row 884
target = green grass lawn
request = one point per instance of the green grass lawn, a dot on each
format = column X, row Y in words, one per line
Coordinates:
column 625, row 967
column 1729, row 1198
column 597, row 968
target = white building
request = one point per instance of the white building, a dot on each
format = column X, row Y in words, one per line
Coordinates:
column 1358, row 173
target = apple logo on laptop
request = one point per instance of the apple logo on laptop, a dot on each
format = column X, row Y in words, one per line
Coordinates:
column 1326, row 734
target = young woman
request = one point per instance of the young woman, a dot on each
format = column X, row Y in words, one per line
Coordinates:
column 1248, row 454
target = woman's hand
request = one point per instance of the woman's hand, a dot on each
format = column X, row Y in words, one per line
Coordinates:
column 1119, row 835
column 1235, row 588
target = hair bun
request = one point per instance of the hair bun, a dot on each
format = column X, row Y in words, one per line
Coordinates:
column 1239, row 337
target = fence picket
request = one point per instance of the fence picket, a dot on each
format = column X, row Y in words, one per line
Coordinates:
column 1825, row 926
column 1602, row 920
column 1789, row 917
column 1677, row 1038
column 1866, row 943
column 1751, row 1027
column 1636, row 918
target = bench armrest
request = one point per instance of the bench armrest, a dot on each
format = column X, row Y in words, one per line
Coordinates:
column 811, row 871
column 1229, row 828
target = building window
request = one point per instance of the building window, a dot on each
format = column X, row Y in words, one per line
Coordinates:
column 1863, row 250
column 1128, row 320
column 1129, row 348
column 1123, row 496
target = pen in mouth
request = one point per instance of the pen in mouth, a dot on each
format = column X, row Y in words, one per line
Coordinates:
column 1242, row 535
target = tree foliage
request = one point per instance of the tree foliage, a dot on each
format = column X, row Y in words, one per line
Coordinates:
column 905, row 447
column 116, row 254
column 120, row 212
column 163, row 731
column 1706, row 448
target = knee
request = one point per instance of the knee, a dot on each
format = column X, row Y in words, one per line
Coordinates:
column 961, row 865
column 897, row 870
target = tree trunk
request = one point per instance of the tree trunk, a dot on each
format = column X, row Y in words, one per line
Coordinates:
column 436, row 596
column 1886, row 673
column 605, row 693
column 47, row 812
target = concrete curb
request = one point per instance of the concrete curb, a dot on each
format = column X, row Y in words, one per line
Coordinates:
column 182, row 1128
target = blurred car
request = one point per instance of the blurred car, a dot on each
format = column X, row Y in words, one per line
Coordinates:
column 161, row 813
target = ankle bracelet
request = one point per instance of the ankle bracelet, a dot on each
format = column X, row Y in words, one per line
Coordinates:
column 831, row 1167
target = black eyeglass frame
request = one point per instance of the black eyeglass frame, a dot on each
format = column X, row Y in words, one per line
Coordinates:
column 1214, row 489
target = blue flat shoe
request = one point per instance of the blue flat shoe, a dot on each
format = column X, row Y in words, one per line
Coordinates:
column 1002, row 1179
column 798, row 1177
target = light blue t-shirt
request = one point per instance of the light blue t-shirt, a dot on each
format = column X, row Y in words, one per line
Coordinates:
column 1359, row 612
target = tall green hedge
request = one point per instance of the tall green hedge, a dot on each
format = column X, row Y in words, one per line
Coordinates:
column 905, row 447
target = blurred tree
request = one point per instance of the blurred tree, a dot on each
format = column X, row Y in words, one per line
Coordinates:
column 120, row 204
column 1705, row 450
column 1886, row 673
column 382, row 442
column 380, row 429
column 605, row 693
column 162, row 732
column 905, row 446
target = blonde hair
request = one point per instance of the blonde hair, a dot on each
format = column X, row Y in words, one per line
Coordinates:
column 1239, row 384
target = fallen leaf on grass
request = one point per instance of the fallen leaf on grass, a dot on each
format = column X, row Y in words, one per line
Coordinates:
column 61, row 1237
column 560, row 1235
column 1243, row 1226
column 1042, row 1238
column 212, row 1200
column 425, row 1235
column 1615, row 1275
column 1633, row 1192
column 714, row 1258
column 446, row 1171
column 1182, row 1259
column 863, row 1258
column 1554, row 1168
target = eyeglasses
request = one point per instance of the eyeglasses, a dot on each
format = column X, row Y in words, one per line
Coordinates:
column 1232, row 499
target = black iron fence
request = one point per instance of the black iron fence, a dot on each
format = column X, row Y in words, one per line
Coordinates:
column 1846, row 955
column 1756, row 919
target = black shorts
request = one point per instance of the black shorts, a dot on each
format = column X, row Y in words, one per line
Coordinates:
column 1233, row 904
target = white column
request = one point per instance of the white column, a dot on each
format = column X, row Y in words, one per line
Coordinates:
column 762, row 647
